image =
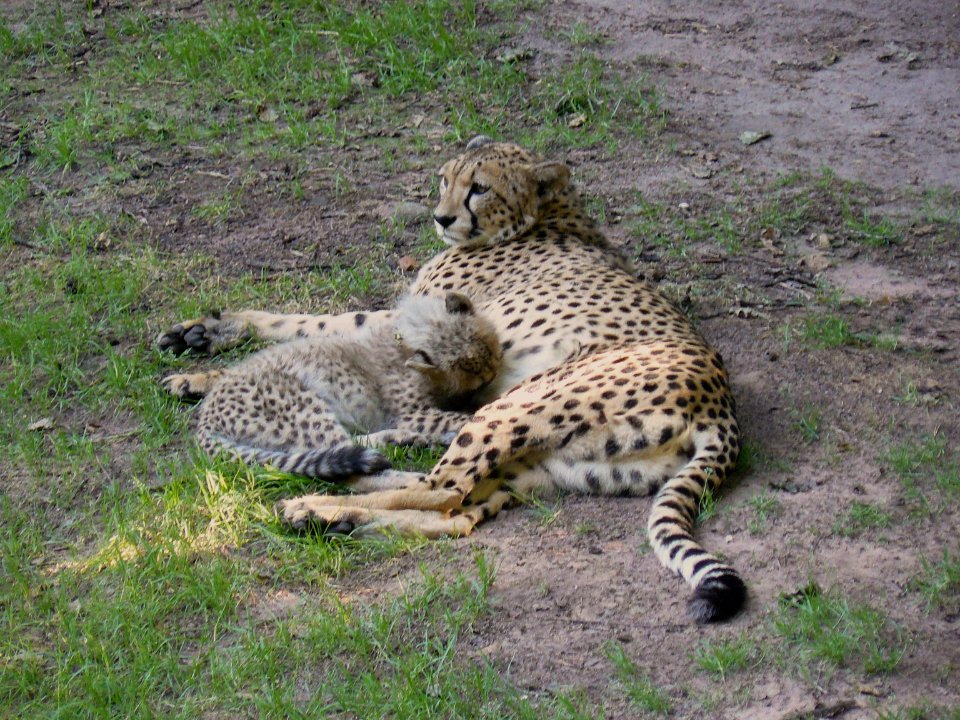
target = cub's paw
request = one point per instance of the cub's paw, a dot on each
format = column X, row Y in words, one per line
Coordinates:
column 189, row 386
column 209, row 334
column 306, row 515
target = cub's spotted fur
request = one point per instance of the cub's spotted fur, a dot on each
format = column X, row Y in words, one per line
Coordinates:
column 605, row 388
column 294, row 405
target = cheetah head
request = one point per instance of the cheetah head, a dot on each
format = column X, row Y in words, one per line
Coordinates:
column 494, row 192
column 450, row 343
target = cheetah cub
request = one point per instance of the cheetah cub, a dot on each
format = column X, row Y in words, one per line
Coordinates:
column 408, row 380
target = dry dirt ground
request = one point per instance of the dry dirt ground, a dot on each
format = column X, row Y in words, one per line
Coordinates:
column 868, row 88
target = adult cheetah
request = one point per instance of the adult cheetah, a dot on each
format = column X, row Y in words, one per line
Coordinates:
column 604, row 386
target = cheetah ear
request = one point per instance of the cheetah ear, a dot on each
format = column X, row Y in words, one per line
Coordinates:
column 478, row 141
column 551, row 177
column 458, row 304
column 421, row 362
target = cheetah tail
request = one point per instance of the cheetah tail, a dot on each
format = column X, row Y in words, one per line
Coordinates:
column 332, row 463
column 719, row 593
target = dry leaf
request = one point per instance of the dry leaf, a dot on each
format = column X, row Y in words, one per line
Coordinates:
column 408, row 263
column 577, row 120
column 268, row 115
column 751, row 137
column 817, row 262
column 41, row 424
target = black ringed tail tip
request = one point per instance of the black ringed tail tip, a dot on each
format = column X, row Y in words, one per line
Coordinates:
column 718, row 598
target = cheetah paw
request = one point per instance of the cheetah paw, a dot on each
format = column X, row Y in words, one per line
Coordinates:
column 305, row 516
column 207, row 335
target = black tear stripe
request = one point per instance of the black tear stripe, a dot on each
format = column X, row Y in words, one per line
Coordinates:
column 474, row 223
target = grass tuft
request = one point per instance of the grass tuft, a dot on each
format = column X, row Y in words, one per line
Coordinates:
column 721, row 657
column 639, row 688
column 822, row 632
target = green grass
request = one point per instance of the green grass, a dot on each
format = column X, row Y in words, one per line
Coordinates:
column 674, row 230
column 808, row 422
column 939, row 582
column 927, row 470
column 820, row 632
column 765, row 508
column 706, row 505
column 720, row 658
column 162, row 622
column 587, row 102
column 12, row 192
column 298, row 75
column 923, row 711
column 860, row 518
column 829, row 330
column 640, row 690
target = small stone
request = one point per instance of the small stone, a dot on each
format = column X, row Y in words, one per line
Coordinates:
column 41, row 424
column 268, row 115
column 751, row 137
column 817, row 262
column 410, row 213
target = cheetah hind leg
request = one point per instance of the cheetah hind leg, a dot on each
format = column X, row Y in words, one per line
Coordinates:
column 335, row 515
column 304, row 514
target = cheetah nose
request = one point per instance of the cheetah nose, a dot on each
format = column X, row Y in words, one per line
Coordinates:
column 444, row 221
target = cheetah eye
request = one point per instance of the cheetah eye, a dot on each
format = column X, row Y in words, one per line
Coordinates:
column 443, row 184
column 478, row 189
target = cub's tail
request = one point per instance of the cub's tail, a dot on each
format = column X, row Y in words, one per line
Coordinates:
column 330, row 463
column 719, row 593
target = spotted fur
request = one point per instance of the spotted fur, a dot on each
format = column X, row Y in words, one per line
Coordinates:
column 605, row 387
column 295, row 405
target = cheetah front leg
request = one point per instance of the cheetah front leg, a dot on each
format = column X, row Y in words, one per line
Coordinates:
column 217, row 332
column 428, row 426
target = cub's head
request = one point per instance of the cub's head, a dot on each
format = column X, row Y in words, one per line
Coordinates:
column 494, row 192
column 451, row 345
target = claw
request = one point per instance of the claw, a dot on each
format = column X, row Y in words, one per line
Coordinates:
column 172, row 341
column 196, row 337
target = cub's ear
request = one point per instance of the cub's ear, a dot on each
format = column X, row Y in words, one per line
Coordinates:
column 420, row 362
column 458, row 304
column 478, row 141
column 551, row 177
